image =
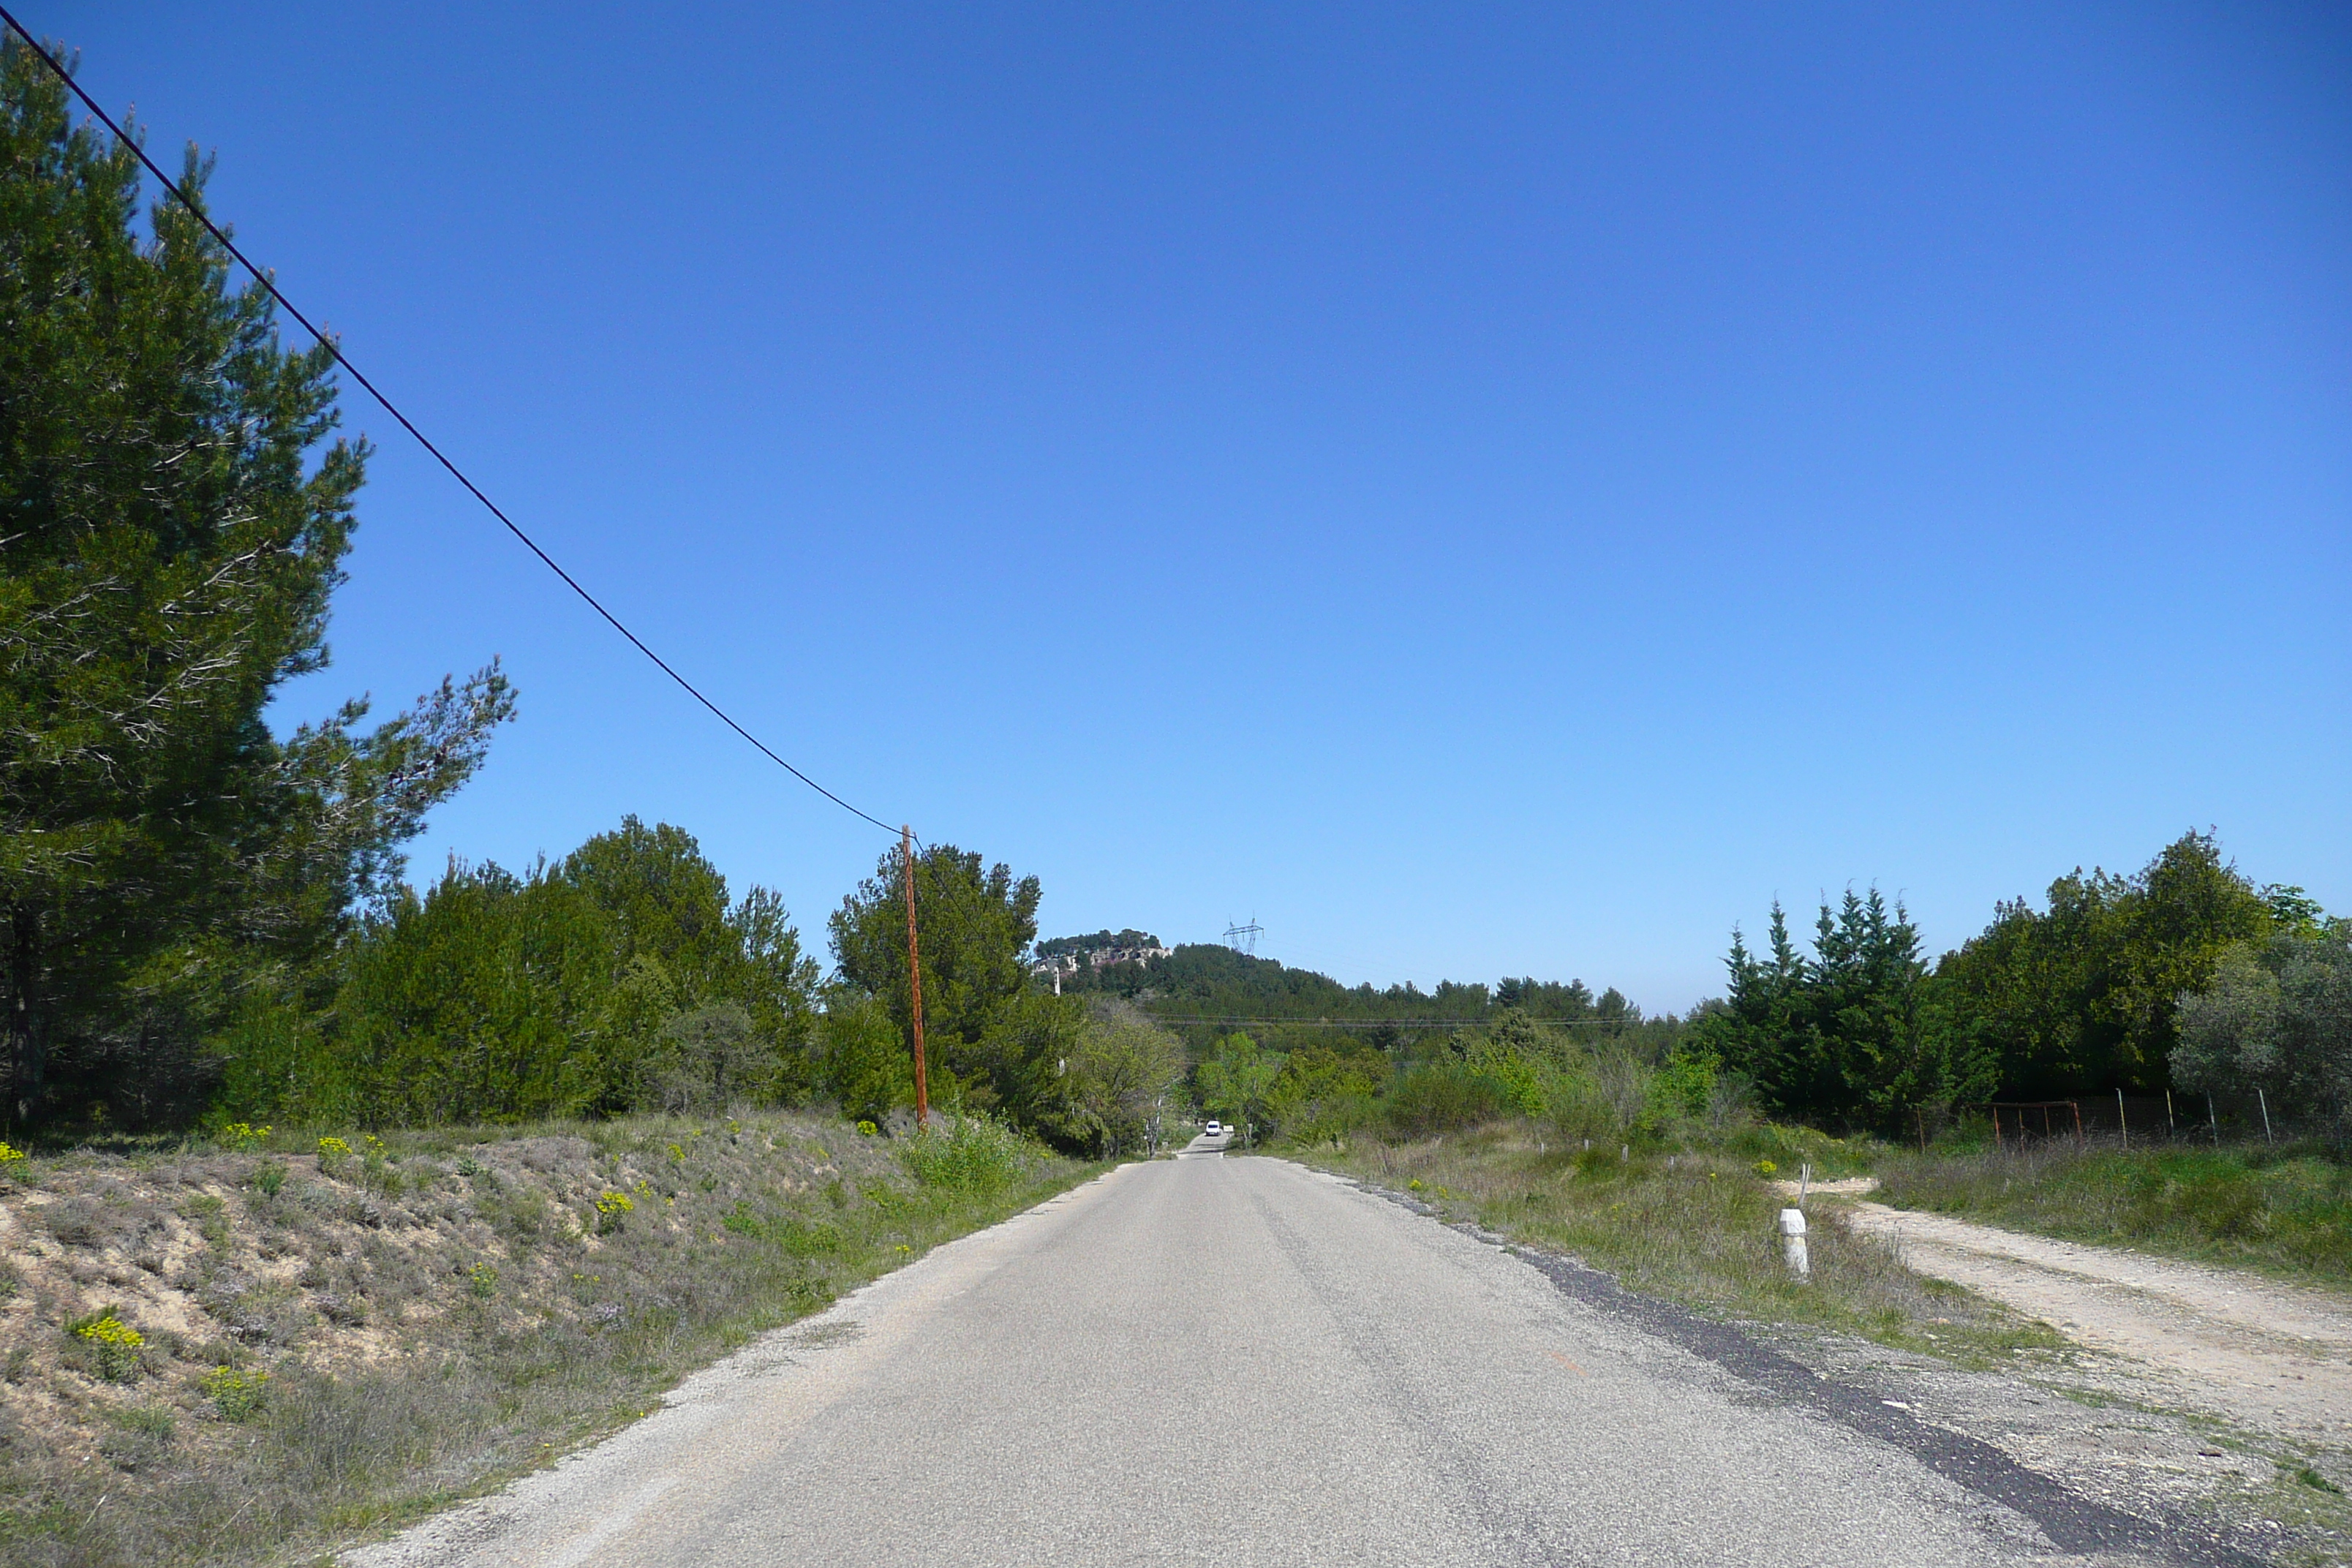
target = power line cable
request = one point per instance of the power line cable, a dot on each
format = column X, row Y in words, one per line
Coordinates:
column 332, row 348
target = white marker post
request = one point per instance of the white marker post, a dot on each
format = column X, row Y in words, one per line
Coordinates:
column 1792, row 1243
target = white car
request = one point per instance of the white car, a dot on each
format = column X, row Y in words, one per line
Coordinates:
column 1214, row 1130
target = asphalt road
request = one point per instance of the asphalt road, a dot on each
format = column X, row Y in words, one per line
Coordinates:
column 1234, row 1361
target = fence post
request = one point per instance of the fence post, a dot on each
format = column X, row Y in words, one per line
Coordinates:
column 2121, row 1125
column 2169, row 1127
column 2213, row 1118
column 2264, row 1100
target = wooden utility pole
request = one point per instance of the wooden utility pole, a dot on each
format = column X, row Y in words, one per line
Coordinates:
column 915, row 978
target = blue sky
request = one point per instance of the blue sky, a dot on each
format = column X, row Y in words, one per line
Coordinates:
column 1483, row 492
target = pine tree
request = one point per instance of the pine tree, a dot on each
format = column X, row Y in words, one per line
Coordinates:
column 174, row 506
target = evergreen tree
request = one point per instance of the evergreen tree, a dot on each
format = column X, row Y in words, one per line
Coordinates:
column 2081, row 996
column 173, row 510
column 619, row 979
column 977, row 923
column 1841, row 1035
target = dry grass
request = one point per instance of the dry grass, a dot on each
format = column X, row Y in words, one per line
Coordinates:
column 1696, row 1225
column 330, row 1349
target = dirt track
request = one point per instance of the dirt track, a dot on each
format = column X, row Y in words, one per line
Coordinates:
column 2274, row 1357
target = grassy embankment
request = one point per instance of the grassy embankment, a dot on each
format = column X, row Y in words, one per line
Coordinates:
column 232, row 1355
column 2286, row 1210
column 1692, row 1223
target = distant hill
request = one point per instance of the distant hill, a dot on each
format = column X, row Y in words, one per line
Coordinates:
column 1206, row 980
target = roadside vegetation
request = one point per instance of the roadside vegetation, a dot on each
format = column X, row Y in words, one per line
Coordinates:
column 1690, row 1219
column 1646, row 1156
column 251, row 1348
column 1658, row 1172
column 2286, row 1210
column 2183, row 980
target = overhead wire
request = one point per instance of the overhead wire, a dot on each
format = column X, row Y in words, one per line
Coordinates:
column 335, row 349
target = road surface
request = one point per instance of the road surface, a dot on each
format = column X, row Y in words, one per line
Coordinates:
column 1238, row 1361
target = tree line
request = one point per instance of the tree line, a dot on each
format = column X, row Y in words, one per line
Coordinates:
column 624, row 977
column 2184, row 975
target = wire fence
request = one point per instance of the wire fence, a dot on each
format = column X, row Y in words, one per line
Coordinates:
column 2124, row 1119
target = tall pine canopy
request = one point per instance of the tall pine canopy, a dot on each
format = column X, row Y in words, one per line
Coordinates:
column 174, row 505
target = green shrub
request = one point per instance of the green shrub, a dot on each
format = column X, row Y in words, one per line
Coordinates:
column 147, row 1420
column 1684, row 1087
column 1444, row 1098
column 115, row 1342
column 971, row 1154
column 236, row 1393
column 1515, row 1076
column 1579, row 1109
column 613, row 1209
column 621, row 977
column 800, row 1238
column 1329, row 1118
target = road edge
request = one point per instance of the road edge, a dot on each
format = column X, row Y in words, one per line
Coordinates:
column 2071, row 1522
